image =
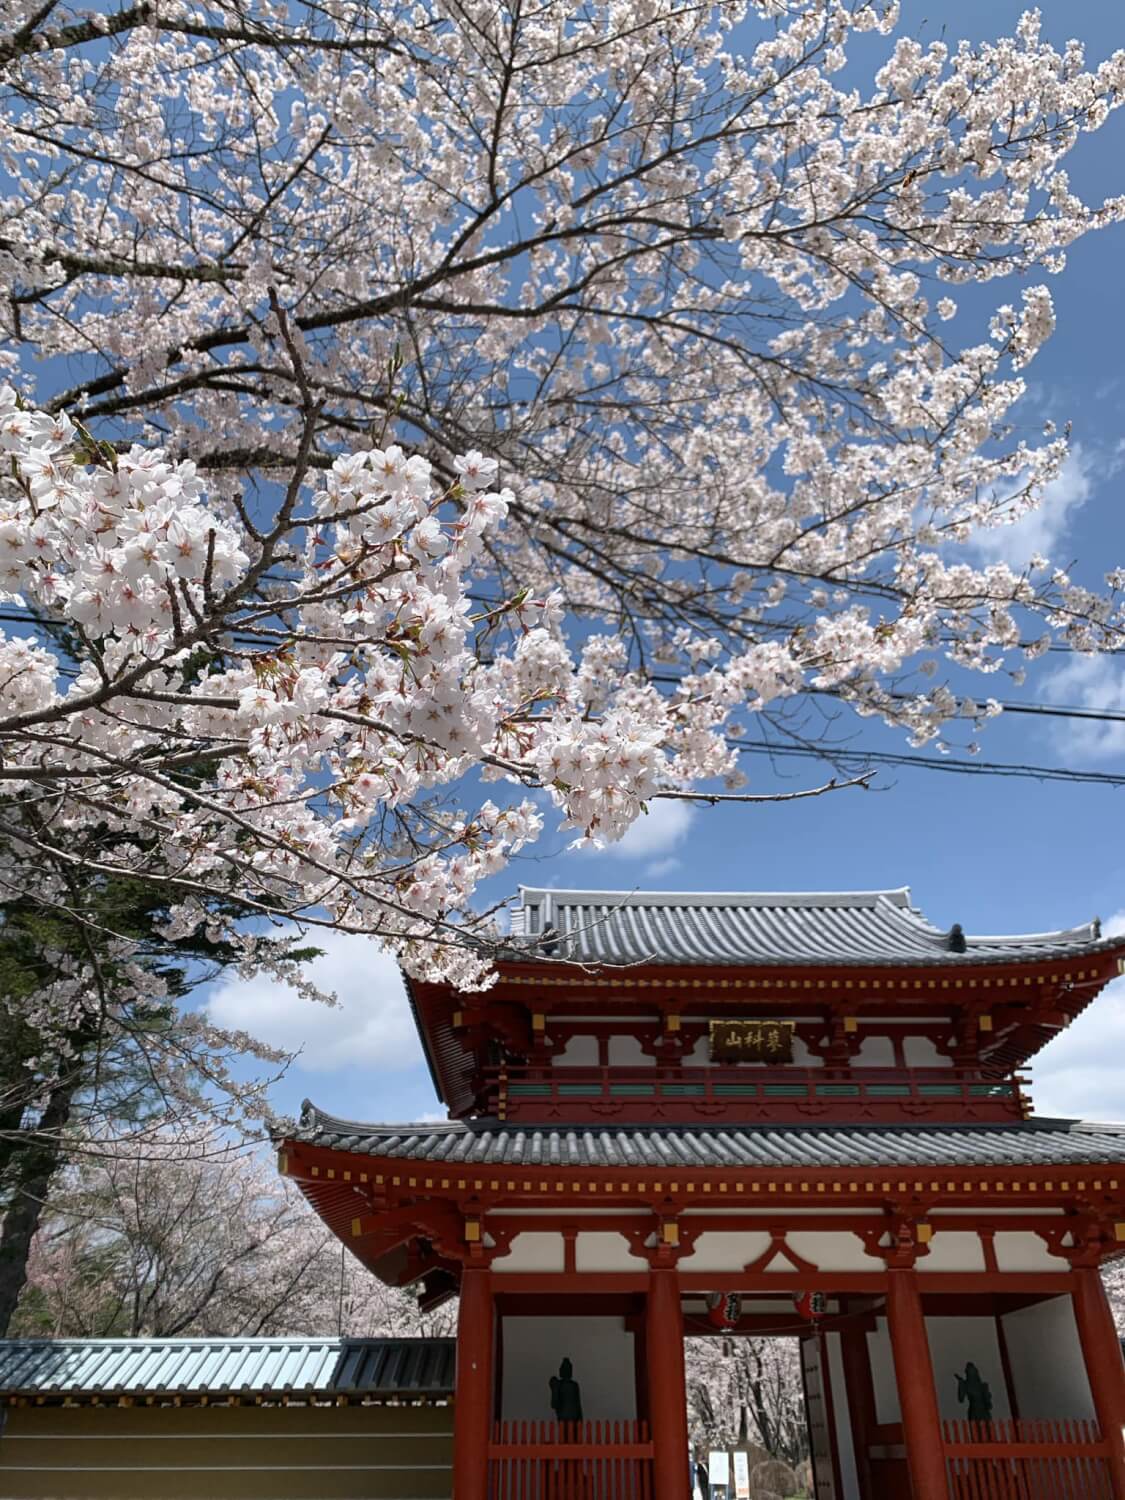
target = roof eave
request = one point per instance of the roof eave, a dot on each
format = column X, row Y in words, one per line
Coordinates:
column 423, row 1036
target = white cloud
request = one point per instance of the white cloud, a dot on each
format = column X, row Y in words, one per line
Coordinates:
column 371, row 1026
column 1095, row 682
column 1079, row 1073
column 663, row 866
column 657, row 832
column 1041, row 530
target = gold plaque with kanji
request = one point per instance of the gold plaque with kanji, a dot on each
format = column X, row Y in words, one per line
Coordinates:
column 752, row 1041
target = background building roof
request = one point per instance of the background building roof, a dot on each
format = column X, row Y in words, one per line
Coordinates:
column 380, row 1368
column 831, row 928
column 1031, row 1143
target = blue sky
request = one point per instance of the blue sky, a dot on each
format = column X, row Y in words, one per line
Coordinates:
column 994, row 855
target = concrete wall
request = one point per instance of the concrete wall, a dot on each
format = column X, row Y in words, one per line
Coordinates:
column 227, row 1453
column 1048, row 1371
column 601, row 1350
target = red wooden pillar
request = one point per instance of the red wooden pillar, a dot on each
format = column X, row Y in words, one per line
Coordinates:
column 914, row 1377
column 472, row 1404
column 1102, row 1353
column 667, row 1388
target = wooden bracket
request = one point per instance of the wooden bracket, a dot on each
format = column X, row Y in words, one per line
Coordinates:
column 778, row 1246
column 909, row 1239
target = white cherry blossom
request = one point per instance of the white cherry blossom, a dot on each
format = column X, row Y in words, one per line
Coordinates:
column 462, row 417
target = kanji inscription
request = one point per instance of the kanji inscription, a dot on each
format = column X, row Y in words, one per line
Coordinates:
column 752, row 1041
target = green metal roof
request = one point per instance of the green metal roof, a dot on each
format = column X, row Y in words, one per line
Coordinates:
column 382, row 1368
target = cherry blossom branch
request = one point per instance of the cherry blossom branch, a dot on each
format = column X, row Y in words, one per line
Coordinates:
column 713, row 799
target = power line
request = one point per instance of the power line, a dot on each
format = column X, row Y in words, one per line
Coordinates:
column 859, row 759
column 874, row 757
column 1065, row 711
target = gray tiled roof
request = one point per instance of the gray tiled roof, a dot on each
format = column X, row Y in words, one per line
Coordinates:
column 848, row 927
column 252, row 1366
column 668, row 1147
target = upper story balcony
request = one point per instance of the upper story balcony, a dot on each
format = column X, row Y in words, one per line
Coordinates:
column 682, row 1095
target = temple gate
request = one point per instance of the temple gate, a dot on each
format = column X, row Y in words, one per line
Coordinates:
column 794, row 1112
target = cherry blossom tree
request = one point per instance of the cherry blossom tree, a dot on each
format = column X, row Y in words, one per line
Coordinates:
column 747, row 1390
column 1113, row 1276
column 455, row 410
column 188, row 1234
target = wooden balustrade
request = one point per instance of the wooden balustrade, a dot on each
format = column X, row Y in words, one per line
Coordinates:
column 1027, row 1460
column 578, row 1094
column 570, row 1461
column 1003, row 1460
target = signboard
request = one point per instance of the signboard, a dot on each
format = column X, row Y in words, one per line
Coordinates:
column 818, row 1417
column 741, row 1476
column 718, row 1470
column 752, row 1041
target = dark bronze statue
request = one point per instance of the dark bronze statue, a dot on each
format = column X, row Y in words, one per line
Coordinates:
column 973, row 1390
column 566, row 1394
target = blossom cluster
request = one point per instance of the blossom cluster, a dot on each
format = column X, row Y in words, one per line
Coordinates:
column 440, row 451
column 322, row 694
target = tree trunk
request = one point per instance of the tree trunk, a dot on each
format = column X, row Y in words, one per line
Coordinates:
column 31, row 1170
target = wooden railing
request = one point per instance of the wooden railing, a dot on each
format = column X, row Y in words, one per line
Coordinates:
column 570, row 1461
column 516, row 1092
column 1027, row 1460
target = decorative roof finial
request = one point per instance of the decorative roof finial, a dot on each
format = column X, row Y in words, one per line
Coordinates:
column 957, row 942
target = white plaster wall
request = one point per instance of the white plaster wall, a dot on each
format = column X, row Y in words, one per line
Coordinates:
column 731, row 1250
column 601, row 1350
column 579, row 1052
column 803, row 1058
column 952, row 1250
column 625, row 1052
column 875, row 1052
column 841, row 1414
column 722, row 1250
column 1023, row 1250
column 577, row 1213
column 920, row 1052
column 700, row 1054
column 828, row 1252
column 767, row 1213
column 606, row 1252
column 953, row 1341
column 533, row 1252
column 1048, row 1370
column 883, row 1374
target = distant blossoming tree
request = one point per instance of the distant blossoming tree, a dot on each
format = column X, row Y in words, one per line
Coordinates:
column 745, row 1391
column 457, row 407
column 186, row 1234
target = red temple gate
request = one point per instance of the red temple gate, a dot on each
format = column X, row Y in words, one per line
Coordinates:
column 612, row 1161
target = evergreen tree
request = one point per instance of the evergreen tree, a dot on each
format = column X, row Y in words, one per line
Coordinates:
column 123, row 1063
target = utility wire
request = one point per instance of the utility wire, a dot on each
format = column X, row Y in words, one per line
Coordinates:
column 859, row 759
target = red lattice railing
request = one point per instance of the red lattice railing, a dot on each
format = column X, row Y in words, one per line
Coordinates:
column 1027, row 1460
column 683, row 1093
column 570, row 1461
